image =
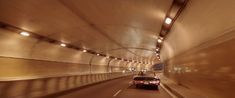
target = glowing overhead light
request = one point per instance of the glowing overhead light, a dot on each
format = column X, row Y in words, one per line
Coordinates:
column 84, row 50
column 159, row 40
column 116, row 58
column 98, row 54
column 107, row 57
column 63, row 45
column 24, row 33
column 168, row 20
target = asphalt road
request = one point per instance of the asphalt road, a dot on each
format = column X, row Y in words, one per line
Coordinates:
column 117, row 88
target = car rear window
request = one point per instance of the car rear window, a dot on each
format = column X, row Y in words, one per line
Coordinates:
column 145, row 78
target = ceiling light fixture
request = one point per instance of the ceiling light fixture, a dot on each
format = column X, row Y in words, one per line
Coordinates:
column 159, row 40
column 84, row 50
column 168, row 20
column 98, row 54
column 63, row 45
column 24, row 33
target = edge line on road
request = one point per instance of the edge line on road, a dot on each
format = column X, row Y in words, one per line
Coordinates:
column 169, row 92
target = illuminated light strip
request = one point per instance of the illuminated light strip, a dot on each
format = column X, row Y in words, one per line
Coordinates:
column 159, row 41
column 168, row 20
column 24, row 33
column 84, row 50
column 63, row 45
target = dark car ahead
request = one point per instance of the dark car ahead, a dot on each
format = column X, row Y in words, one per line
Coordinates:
column 141, row 81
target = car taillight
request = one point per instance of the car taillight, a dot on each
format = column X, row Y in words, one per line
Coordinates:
column 155, row 82
column 139, row 81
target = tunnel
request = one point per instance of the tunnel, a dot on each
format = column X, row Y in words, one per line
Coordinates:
column 94, row 48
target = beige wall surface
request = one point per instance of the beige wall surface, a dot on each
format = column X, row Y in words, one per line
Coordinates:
column 199, row 51
column 25, row 57
column 208, row 71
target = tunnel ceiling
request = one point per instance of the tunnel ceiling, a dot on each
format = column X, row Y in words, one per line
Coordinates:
column 121, row 28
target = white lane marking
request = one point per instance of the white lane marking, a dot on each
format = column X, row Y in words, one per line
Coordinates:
column 169, row 92
column 117, row 93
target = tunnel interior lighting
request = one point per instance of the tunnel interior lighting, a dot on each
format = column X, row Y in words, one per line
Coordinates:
column 159, row 40
column 84, row 50
column 63, row 45
column 98, row 54
column 24, row 33
column 60, row 43
column 168, row 20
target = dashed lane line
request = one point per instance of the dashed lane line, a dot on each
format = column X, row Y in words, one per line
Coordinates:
column 117, row 93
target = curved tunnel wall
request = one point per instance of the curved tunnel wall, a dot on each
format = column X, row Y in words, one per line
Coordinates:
column 199, row 50
column 32, row 68
column 28, row 57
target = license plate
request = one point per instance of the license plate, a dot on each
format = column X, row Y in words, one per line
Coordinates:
column 146, row 83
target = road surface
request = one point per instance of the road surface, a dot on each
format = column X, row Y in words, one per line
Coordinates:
column 117, row 88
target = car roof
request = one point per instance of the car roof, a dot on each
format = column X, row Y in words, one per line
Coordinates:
column 145, row 76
